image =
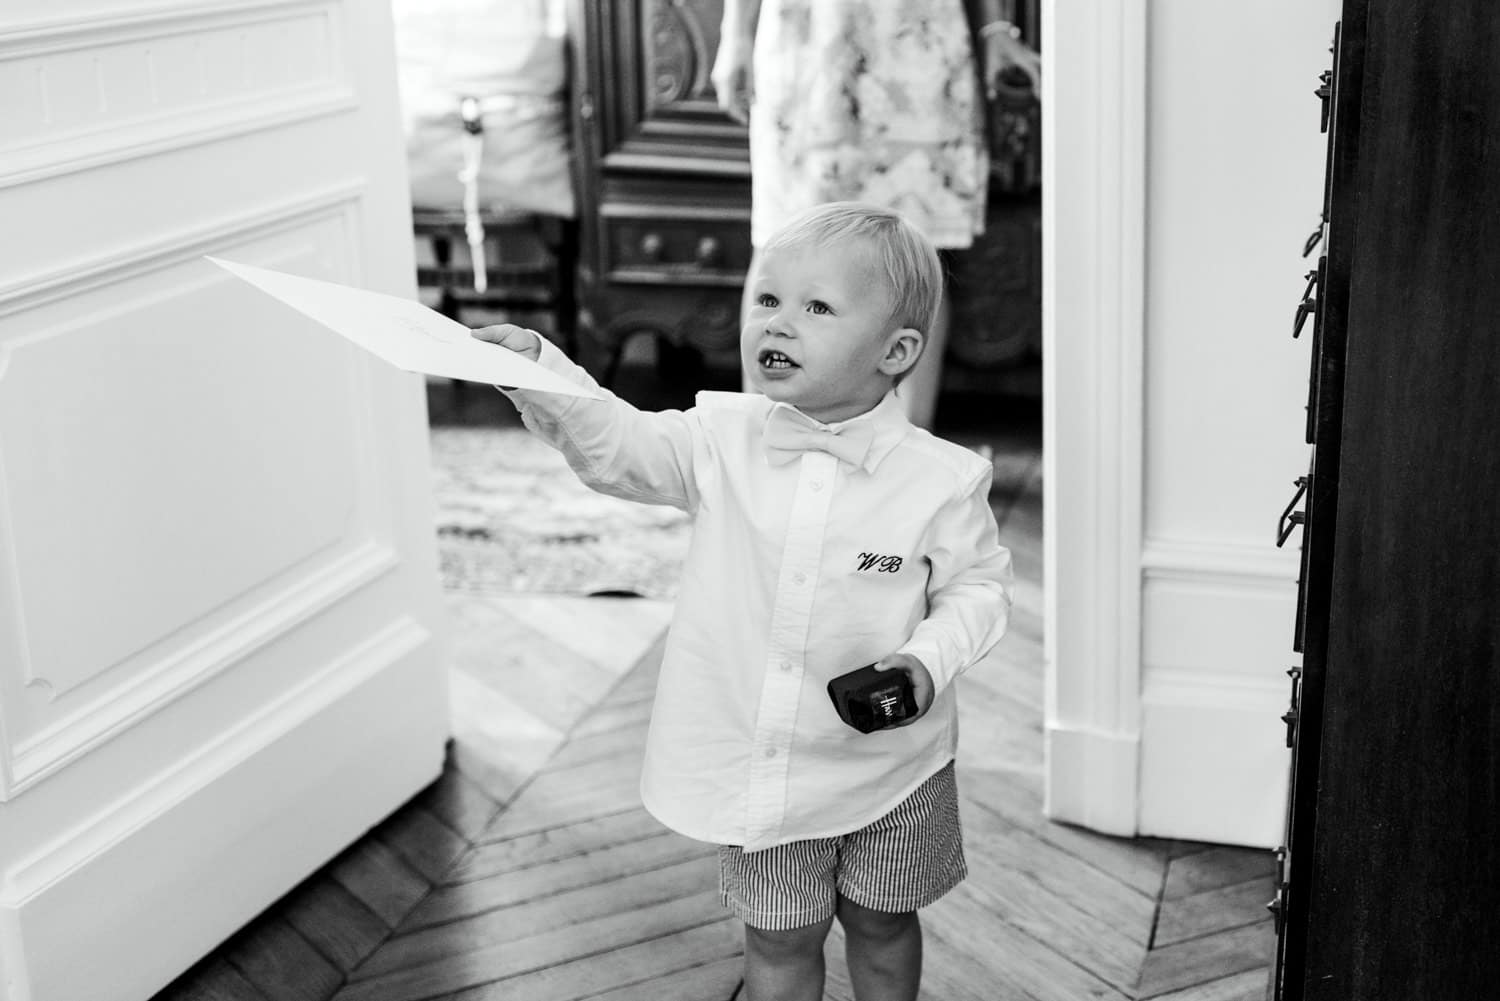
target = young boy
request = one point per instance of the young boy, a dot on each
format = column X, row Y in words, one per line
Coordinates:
column 829, row 534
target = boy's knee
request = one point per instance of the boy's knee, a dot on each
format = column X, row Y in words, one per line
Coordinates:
column 873, row 925
column 791, row 944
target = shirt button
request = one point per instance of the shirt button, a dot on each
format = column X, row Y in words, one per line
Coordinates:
column 799, row 577
column 770, row 752
column 786, row 665
column 816, row 485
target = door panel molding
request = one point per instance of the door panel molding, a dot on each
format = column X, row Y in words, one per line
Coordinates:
column 221, row 514
column 88, row 272
column 170, row 678
column 49, row 721
column 117, row 819
column 258, row 795
column 86, row 92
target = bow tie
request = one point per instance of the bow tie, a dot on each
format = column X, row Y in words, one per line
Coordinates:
column 790, row 432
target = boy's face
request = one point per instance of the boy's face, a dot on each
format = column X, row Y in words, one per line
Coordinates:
column 819, row 334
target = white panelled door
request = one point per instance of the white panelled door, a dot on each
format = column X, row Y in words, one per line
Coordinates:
column 221, row 653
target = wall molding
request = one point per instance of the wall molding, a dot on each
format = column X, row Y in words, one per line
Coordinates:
column 1216, row 643
column 1213, row 622
column 1093, row 335
column 1167, row 558
column 117, row 820
column 1178, row 686
column 56, row 153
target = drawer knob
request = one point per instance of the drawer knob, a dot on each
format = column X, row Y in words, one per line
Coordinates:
column 651, row 246
column 710, row 252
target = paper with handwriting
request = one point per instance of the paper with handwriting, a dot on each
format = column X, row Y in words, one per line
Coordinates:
column 404, row 332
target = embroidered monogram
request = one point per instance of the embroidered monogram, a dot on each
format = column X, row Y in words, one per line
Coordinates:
column 880, row 564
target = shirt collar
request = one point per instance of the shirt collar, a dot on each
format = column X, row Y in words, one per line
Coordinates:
column 889, row 421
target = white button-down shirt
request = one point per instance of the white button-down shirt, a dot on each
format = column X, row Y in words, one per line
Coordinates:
column 796, row 573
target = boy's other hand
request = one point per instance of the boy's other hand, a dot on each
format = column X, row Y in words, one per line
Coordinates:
column 921, row 681
column 508, row 335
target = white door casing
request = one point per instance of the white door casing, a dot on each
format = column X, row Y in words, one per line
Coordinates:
column 221, row 648
column 1181, row 177
column 1093, row 332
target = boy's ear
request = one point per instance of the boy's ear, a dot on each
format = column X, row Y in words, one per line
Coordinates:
column 902, row 350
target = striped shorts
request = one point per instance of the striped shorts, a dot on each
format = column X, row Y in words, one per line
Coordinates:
column 901, row 862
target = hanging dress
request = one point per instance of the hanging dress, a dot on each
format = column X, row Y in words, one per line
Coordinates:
column 868, row 100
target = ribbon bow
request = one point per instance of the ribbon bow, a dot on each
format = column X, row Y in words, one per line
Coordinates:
column 790, row 432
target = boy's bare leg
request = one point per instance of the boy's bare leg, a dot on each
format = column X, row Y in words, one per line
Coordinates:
column 785, row 965
column 884, row 952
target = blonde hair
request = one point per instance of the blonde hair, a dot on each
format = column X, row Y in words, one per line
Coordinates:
column 911, row 263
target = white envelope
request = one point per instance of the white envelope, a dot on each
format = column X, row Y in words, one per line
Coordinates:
column 404, row 332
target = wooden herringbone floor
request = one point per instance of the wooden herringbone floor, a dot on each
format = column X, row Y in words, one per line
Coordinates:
column 529, row 871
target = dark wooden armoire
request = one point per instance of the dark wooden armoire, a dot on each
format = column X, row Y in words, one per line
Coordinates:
column 1391, row 868
column 663, row 180
column 663, row 184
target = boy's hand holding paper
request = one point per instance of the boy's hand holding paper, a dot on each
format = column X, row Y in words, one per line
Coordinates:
column 507, row 335
column 406, row 333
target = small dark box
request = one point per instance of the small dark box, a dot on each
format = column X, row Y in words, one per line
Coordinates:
column 870, row 700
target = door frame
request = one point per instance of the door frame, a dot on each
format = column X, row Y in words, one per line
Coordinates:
column 1093, row 334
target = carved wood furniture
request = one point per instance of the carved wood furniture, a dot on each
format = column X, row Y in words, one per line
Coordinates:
column 663, row 180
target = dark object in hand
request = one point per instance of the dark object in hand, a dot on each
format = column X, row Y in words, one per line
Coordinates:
column 870, row 700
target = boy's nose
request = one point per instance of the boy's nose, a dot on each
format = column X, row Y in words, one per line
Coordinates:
column 779, row 325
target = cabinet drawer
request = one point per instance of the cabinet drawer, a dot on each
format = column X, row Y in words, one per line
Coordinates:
column 677, row 250
column 703, row 318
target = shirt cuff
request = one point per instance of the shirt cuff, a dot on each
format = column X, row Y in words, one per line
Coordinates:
column 941, row 664
column 552, row 358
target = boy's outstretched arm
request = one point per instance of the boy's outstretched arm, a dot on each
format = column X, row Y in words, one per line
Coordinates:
column 614, row 448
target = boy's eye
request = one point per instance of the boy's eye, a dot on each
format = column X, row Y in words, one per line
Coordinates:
column 765, row 299
column 818, row 307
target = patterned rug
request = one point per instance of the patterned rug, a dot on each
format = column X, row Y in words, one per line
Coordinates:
column 511, row 516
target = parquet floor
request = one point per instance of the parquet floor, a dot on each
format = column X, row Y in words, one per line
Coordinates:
column 528, row 872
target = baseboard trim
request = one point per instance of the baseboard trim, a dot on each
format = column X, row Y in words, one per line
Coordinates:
column 1091, row 778
column 1214, row 762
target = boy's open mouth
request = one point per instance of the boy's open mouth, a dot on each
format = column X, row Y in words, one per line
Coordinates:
column 775, row 359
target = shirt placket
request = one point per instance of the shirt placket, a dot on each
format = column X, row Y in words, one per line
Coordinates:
column 791, row 618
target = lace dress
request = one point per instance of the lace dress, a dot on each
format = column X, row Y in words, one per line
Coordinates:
column 872, row 100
